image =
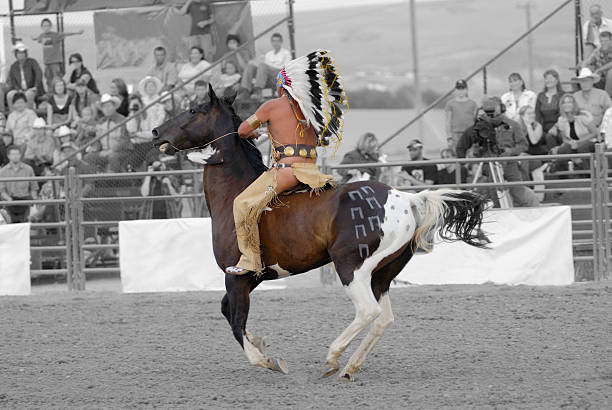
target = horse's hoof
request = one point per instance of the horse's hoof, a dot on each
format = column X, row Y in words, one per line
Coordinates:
column 331, row 370
column 279, row 365
column 347, row 377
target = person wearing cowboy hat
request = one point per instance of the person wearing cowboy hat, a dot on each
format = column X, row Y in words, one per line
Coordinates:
column 116, row 145
column 591, row 99
column 40, row 148
column 64, row 134
column 24, row 76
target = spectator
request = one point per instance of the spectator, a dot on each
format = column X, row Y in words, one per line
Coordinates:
column 164, row 70
column 593, row 27
column 40, row 148
column 517, row 97
column 157, row 186
column 116, row 145
column 460, row 113
column 85, row 126
column 606, row 128
column 266, row 71
column 6, row 140
column 119, row 89
column 18, row 190
column 52, row 50
column 2, row 120
column 150, row 88
column 533, row 130
column 24, row 76
column 547, row 103
column 83, row 98
column 575, row 130
column 447, row 174
column 365, row 152
column 194, row 66
column 200, row 93
column 58, row 105
column 66, row 154
column 171, row 106
column 509, row 141
column 419, row 174
column 600, row 62
column 63, row 134
column 232, row 41
column 80, row 72
column 591, row 99
column 229, row 80
column 200, row 34
column 140, row 125
column 20, row 120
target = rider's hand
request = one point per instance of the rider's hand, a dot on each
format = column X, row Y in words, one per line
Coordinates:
column 254, row 135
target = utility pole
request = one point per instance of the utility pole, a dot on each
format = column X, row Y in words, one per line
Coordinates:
column 418, row 103
column 527, row 6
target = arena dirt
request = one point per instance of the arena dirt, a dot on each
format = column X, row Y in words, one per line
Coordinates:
column 450, row 347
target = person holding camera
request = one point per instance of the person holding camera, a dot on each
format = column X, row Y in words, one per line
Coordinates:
column 158, row 186
column 495, row 135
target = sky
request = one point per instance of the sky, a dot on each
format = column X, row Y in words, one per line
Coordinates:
column 300, row 5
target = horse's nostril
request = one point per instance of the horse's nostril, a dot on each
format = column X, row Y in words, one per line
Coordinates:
column 154, row 132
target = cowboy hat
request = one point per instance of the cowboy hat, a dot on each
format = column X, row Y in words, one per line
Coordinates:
column 110, row 98
column 63, row 131
column 39, row 123
column 143, row 84
column 19, row 46
column 586, row 73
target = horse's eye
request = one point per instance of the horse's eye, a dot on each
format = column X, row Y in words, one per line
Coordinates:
column 192, row 111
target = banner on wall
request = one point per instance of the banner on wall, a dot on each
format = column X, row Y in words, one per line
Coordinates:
column 127, row 37
column 45, row 6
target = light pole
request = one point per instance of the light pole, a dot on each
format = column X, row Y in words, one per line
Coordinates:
column 418, row 103
column 527, row 6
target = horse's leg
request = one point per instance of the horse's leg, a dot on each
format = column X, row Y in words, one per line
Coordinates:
column 381, row 280
column 366, row 310
column 237, row 307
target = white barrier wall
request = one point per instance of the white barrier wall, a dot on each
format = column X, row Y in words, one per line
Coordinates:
column 531, row 246
column 15, row 259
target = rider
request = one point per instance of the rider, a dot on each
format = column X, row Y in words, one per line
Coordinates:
column 308, row 112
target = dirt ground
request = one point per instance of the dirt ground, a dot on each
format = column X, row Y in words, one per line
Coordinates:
column 450, row 347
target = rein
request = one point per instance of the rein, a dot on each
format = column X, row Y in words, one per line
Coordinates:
column 201, row 146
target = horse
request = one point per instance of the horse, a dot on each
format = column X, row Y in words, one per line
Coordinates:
column 367, row 229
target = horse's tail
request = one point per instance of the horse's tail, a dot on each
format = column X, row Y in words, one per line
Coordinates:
column 456, row 215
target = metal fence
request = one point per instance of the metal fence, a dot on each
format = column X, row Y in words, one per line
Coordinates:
column 76, row 235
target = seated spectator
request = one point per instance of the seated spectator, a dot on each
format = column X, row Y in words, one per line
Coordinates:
column 83, row 98
column 606, row 128
column 58, row 105
column 67, row 159
column 20, row 120
column 62, row 135
column 157, row 186
column 18, row 190
column 266, row 71
column 139, row 128
column 24, row 76
column 171, row 106
column 536, row 141
column 85, row 126
column 593, row 27
column 40, row 148
column 460, row 113
column 447, row 174
column 517, row 97
column 200, row 94
column 547, row 102
column 419, row 174
column 80, row 72
column 150, row 88
column 366, row 151
column 194, row 66
column 52, row 50
column 163, row 69
column 232, row 42
column 575, row 130
column 118, row 89
column 116, row 145
column 229, row 80
column 600, row 62
column 6, row 140
column 591, row 99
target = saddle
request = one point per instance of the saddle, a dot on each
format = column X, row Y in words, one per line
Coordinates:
column 302, row 187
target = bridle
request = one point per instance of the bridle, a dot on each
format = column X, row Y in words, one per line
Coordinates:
column 200, row 146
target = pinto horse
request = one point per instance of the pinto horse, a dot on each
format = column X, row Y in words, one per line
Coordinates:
column 367, row 229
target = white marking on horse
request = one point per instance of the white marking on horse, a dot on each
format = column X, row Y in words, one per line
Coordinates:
column 282, row 273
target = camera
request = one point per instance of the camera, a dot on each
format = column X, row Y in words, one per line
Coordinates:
column 484, row 135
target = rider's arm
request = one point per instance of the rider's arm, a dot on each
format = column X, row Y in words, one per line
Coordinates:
column 262, row 115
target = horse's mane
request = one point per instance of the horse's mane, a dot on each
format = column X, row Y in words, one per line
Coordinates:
column 248, row 146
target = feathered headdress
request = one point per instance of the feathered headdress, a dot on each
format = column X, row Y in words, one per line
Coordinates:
column 314, row 82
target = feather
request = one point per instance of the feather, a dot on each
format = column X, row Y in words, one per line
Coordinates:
column 201, row 156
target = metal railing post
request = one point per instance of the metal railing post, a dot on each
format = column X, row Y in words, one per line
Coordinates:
column 68, row 230
column 77, row 281
column 601, row 218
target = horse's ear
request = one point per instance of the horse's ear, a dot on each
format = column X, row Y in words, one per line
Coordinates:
column 229, row 99
column 213, row 97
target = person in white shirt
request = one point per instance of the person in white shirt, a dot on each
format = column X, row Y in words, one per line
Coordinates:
column 591, row 29
column 266, row 71
column 605, row 130
column 517, row 97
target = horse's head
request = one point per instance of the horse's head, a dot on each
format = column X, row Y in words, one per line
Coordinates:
column 196, row 127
